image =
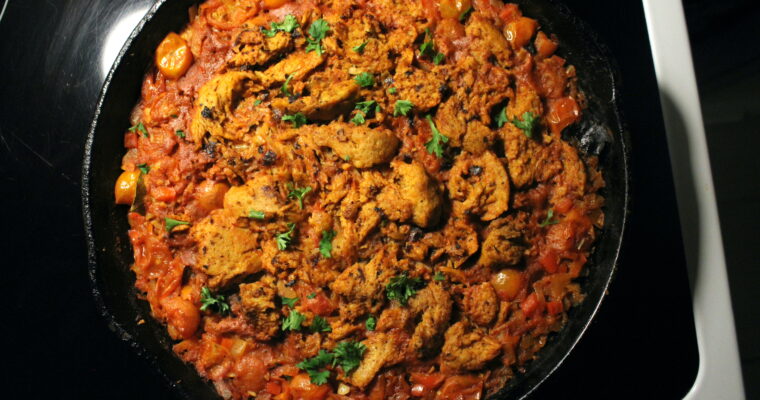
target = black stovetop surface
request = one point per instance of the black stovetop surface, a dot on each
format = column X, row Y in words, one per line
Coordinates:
column 641, row 344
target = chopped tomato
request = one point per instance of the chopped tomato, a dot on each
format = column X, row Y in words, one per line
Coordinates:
column 554, row 307
column 302, row 388
column 545, row 46
column 520, row 31
column 530, row 305
column 510, row 12
column 551, row 76
column 319, row 305
column 274, row 387
column 228, row 14
column 173, row 56
column 461, row 387
column 549, row 260
column 163, row 193
column 130, row 140
column 425, row 383
column 562, row 113
column 563, row 206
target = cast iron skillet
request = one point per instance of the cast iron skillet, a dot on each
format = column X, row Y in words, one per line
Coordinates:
column 601, row 132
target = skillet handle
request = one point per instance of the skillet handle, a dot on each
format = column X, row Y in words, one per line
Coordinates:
column 719, row 375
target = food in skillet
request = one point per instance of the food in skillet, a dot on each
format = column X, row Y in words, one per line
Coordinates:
column 359, row 199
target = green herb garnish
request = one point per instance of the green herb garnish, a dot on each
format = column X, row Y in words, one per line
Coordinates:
column 317, row 32
column 438, row 58
column 253, row 214
column 180, row 133
column 298, row 119
column 402, row 107
column 311, row 295
column 501, row 117
column 298, row 193
column 360, row 48
column 527, row 123
column 171, row 223
column 371, row 323
column 257, row 102
column 293, row 321
column 436, row 143
column 314, row 367
column 289, row 24
column 216, row 303
column 348, row 355
column 548, row 221
column 144, row 168
column 289, row 301
column 364, row 109
column 402, row 287
column 325, row 245
column 392, row 90
column 139, row 128
column 365, row 79
column 319, row 324
column 284, row 89
column 439, row 276
column 284, row 239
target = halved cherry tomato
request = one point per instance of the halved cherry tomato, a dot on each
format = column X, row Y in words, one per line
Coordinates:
column 507, row 283
column 520, row 31
column 173, row 56
column 272, row 4
column 562, row 113
column 126, row 187
column 425, row 384
column 453, row 8
column 302, row 388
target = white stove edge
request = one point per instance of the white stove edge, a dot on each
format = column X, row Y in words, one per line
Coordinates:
column 719, row 375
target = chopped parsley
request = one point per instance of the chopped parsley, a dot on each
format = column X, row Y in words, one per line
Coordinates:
column 439, row 276
column 293, row 321
column 402, row 107
column 319, row 324
column 371, row 323
column 325, row 245
column 428, row 48
column 360, row 48
column 139, row 128
column 289, row 301
column 171, row 223
column 289, row 24
column 501, row 117
column 365, row 79
column 253, row 214
column 392, row 90
column 348, row 355
column 314, row 367
column 436, row 143
column 298, row 193
column 548, row 221
column 144, row 168
column 402, row 287
column 364, row 109
column 466, row 13
column 527, row 123
column 180, row 133
column 215, row 303
column 311, row 295
column 298, row 119
column 284, row 89
column 257, row 102
column 284, row 239
column 438, row 58
column 317, row 32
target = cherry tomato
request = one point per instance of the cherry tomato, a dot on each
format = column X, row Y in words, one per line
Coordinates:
column 507, row 283
column 302, row 388
column 271, row 4
column 173, row 56
column 453, row 8
column 210, row 194
column 182, row 317
column 461, row 387
column 126, row 187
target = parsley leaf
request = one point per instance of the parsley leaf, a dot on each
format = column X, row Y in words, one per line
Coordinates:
column 257, row 102
column 144, row 168
column 293, row 321
column 527, row 124
column 348, row 355
column 548, row 221
column 217, row 303
column 289, row 24
column 360, row 48
column 402, row 107
column 317, row 32
column 439, row 276
column 180, row 133
column 171, row 223
column 284, row 89
column 371, row 323
column 253, row 214
column 298, row 193
column 401, row 288
column 284, row 239
column 392, row 90
column 436, row 143
column 466, row 13
column 139, row 128
column 319, row 324
column 313, row 366
column 311, row 295
column 364, row 109
column 438, row 59
column 501, row 117
column 298, row 119
column 289, row 301
column 325, row 245
column 365, row 79
column 426, row 47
